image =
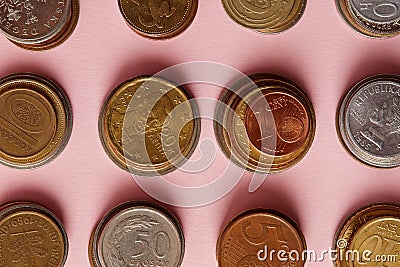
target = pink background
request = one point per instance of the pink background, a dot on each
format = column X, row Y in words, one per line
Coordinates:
column 321, row 53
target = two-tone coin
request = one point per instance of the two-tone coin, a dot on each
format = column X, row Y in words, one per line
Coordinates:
column 149, row 126
column 158, row 20
column 265, row 16
column 256, row 237
column 368, row 121
column 374, row 18
column 30, row 235
column 137, row 234
column 38, row 25
column 35, row 120
column 368, row 235
column 264, row 123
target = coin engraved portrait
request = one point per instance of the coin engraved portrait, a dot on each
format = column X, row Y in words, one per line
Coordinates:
column 154, row 12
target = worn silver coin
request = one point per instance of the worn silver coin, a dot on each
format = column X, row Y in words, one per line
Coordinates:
column 33, row 21
column 369, row 121
column 137, row 234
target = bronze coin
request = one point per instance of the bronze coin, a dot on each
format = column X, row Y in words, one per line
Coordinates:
column 250, row 237
column 30, row 235
column 158, row 19
column 267, row 123
column 149, row 126
column 265, row 16
column 352, row 229
column 35, row 120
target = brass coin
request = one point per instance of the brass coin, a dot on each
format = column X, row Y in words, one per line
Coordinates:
column 30, row 235
column 137, row 234
column 158, row 20
column 255, row 230
column 348, row 230
column 149, row 126
column 376, row 18
column 35, row 120
column 266, row 125
column 265, row 16
column 377, row 239
column 38, row 25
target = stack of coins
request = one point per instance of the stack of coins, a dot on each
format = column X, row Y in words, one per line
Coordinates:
column 368, row 121
column 265, row 124
column 265, row 16
column 30, row 235
column 250, row 237
column 149, row 126
column 158, row 20
column 35, row 120
column 38, row 25
column 137, row 234
column 370, row 232
column 375, row 18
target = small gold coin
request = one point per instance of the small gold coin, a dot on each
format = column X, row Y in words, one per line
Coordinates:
column 149, row 126
column 265, row 16
column 35, row 120
column 353, row 232
column 30, row 235
column 250, row 237
column 265, row 123
column 158, row 19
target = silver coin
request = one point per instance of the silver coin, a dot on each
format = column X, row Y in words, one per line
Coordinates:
column 33, row 21
column 137, row 234
column 369, row 121
column 378, row 16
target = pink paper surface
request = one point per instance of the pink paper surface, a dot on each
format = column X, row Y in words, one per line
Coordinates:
column 321, row 53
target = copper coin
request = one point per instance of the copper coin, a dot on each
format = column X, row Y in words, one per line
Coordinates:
column 375, row 18
column 149, row 126
column 137, row 234
column 30, row 235
column 265, row 16
column 250, row 236
column 35, row 120
column 158, row 19
column 352, row 229
column 267, row 124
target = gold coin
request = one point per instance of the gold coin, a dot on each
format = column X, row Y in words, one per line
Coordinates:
column 348, row 230
column 35, row 120
column 250, row 237
column 265, row 123
column 378, row 239
column 265, row 16
column 149, row 126
column 158, row 20
column 30, row 235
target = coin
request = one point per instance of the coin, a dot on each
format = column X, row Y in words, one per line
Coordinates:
column 265, row 16
column 38, row 25
column 137, row 234
column 30, row 235
column 158, row 19
column 35, row 120
column 250, row 237
column 264, row 123
column 375, row 18
column 149, row 126
column 368, row 121
column 352, row 229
